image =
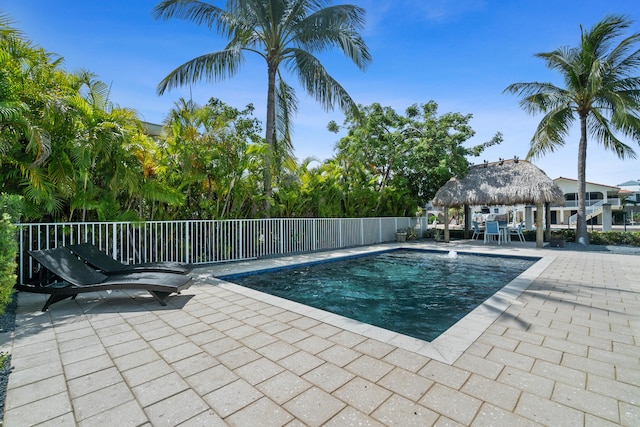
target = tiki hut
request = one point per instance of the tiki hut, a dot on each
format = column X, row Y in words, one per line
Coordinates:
column 507, row 182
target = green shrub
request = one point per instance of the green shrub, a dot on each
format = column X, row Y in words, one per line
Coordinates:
column 456, row 234
column 11, row 204
column 411, row 232
column 10, row 211
column 8, row 265
column 627, row 238
column 566, row 234
column 428, row 233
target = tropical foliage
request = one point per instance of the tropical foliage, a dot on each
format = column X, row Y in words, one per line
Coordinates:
column 64, row 146
column 396, row 163
column 75, row 156
column 10, row 206
column 286, row 34
column 600, row 91
column 210, row 156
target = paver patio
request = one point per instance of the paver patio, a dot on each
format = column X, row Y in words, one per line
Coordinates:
column 565, row 351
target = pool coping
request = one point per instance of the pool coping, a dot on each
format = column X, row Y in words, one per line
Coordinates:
column 446, row 348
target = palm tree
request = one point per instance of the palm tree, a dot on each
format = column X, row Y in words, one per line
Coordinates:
column 282, row 32
column 15, row 123
column 600, row 91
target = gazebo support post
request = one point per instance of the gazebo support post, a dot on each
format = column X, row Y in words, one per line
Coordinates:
column 467, row 221
column 547, row 215
column 528, row 218
column 446, row 224
column 539, row 227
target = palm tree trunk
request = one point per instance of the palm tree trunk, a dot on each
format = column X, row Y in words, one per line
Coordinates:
column 385, row 178
column 228, row 197
column 269, row 137
column 84, row 203
column 582, row 236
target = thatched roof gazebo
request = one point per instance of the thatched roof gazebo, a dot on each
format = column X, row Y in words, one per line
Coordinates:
column 507, row 182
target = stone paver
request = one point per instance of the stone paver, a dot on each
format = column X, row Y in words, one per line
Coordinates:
column 176, row 409
column 314, row 406
column 125, row 414
column 328, row 377
column 405, row 383
column 399, row 411
column 564, row 352
column 101, row 400
column 211, row 379
column 159, row 389
column 232, row 397
column 44, row 409
column 362, row 394
column 262, row 412
column 458, row 406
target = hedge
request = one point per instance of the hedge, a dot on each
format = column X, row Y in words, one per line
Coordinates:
column 615, row 238
column 10, row 210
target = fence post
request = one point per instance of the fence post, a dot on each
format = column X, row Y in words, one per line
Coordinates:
column 21, row 254
column 281, row 236
column 241, row 246
column 114, row 240
column 313, row 234
column 187, row 242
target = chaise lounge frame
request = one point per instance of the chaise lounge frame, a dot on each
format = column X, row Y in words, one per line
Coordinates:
column 77, row 277
column 100, row 260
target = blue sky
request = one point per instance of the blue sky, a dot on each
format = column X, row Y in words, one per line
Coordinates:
column 460, row 53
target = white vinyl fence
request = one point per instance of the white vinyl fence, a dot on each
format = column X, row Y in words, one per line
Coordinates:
column 205, row 242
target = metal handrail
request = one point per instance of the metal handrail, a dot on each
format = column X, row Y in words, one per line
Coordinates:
column 593, row 210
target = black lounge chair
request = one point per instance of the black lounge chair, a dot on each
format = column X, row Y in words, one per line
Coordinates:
column 79, row 278
column 98, row 259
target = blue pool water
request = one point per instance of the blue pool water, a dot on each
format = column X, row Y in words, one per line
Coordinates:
column 416, row 293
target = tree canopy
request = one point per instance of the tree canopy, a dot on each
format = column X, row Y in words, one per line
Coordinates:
column 74, row 155
column 406, row 158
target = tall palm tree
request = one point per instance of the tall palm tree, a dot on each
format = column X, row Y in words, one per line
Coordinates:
column 282, row 32
column 600, row 91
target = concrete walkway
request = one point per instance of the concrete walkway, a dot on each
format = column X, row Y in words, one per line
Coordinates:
column 559, row 348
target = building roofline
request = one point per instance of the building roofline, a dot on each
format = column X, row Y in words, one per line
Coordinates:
column 588, row 182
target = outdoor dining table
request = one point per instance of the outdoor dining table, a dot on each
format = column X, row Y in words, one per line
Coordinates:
column 504, row 229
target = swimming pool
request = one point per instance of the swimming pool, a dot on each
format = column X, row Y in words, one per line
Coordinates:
column 413, row 292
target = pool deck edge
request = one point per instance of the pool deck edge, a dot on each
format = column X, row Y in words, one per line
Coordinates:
column 446, row 348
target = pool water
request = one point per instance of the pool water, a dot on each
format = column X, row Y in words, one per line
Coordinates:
column 416, row 293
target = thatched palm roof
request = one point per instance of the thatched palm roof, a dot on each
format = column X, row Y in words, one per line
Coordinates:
column 508, row 182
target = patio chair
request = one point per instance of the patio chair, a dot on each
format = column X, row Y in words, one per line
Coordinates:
column 77, row 277
column 476, row 231
column 92, row 255
column 517, row 232
column 491, row 229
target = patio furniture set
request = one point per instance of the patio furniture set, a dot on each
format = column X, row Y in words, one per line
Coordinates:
column 67, row 271
column 494, row 230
